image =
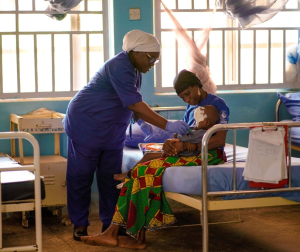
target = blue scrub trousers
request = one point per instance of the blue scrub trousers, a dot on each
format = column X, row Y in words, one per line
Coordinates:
column 81, row 165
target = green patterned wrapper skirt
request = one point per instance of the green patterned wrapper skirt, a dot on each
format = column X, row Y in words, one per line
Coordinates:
column 142, row 202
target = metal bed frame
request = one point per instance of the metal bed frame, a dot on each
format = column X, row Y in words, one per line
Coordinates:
column 203, row 204
column 33, row 205
column 245, row 203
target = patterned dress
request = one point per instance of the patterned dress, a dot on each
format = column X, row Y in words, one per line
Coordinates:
column 142, row 202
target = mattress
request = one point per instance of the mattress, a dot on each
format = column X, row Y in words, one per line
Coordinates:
column 188, row 179
column 17, row 185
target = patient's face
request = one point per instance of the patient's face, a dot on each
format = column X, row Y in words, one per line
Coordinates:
column 190, row 95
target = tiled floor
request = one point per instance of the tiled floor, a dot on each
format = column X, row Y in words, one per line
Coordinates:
column 272, row 229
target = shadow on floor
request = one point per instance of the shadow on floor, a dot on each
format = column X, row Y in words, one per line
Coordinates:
column 272, row 229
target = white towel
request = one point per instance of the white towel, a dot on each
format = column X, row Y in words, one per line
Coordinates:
column 266, row 159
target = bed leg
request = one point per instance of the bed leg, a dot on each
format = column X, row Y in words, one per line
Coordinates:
column 24, row 220
column 200, row 217
column 239, row 214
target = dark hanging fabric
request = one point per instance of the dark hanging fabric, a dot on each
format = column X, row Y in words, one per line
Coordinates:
column 59, row 8
column 253, row 12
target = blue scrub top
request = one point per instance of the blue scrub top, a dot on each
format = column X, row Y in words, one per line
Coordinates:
column 213, row 100
column 98, row 115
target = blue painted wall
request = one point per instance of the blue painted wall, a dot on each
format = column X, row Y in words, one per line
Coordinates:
column 46, row 141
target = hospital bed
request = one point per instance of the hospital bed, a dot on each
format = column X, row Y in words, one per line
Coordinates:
column 22, row 189
column 223, row 186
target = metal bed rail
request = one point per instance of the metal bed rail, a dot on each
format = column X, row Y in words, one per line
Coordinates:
column 37, row 190
column 169, row 109
column 204, row 151
column 277, row 110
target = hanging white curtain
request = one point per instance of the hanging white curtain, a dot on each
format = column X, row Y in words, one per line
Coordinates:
column 195, row 60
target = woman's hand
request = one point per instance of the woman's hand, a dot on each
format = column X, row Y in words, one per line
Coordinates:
column 178, row 146
column 169, row 148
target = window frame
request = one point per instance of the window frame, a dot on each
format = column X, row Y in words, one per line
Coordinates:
column 107, row 50
column 159, row 89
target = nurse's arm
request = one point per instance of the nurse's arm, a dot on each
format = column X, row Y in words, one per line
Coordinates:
column 142, row 110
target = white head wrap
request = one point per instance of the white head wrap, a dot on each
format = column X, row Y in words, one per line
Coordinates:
column 140, row 41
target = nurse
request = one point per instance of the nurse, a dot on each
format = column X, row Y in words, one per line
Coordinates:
column 96, row 121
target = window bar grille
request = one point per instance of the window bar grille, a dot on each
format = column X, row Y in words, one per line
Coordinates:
column 269, row 56
column 17, row 47
column 53, row 62
column 176, row 4
column 106, row 31
column 87, row 57
column 176, row 56
column 254, row 57
column 223, row 57
column 223, row 5
column 1, row 72
column 85, row 5
column 207, row 4
column 193, row 35
column 35, row 62
column 71, row 62
column 239, row 57
column 193, row 5
column 157, row 15
column 234, row 64
column 33, row 5
column 283, row 52
column 18, row 63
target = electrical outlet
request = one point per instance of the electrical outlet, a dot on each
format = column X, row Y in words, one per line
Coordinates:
column 134, row 14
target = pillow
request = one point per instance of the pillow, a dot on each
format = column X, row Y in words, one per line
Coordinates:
column 292, row 103
column 295, row 134
column 138, row 136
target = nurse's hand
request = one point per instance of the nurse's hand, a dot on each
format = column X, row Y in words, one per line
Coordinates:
column 146, row 128
column 178, row 126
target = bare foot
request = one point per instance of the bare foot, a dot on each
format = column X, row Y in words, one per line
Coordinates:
column 120, row 176
column 100, row 240
column 130, row 242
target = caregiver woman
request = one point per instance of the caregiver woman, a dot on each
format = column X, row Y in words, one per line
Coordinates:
column 96, row 121
column 189, row 88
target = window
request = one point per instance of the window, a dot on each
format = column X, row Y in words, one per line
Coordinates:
column 43, row 57
column 238, row 59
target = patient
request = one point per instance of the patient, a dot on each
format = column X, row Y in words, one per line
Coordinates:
column 186, row 145
column 142, row 204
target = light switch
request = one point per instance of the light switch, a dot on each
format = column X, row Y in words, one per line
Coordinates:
column 134, row 14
